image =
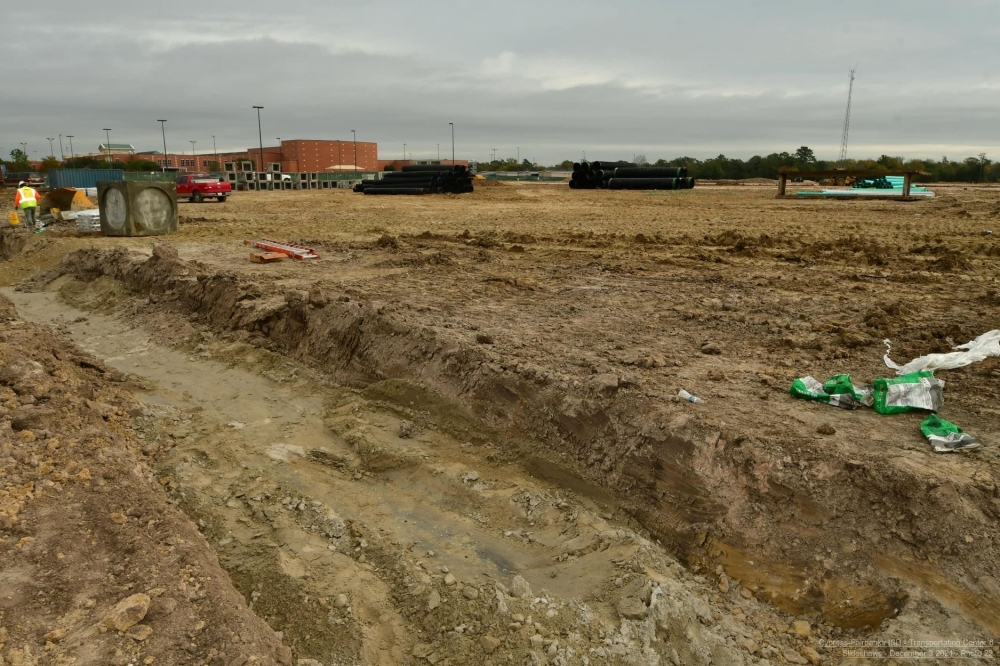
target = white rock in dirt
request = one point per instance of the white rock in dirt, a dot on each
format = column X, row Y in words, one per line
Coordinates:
column 501, row 603
column 470, row 593
column 308, row 662
column 450, row 579
column 434, row 600
column 340, row 601
column 406, row 429
column 519, row 587
column 470, row 476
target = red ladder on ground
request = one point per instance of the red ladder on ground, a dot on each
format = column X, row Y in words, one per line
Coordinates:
column 291, row 249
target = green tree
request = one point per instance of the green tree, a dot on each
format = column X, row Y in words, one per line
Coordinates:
column 19, row 160
column 50, row 163
column 139, row 165
column 805, row 155
column 890, row 163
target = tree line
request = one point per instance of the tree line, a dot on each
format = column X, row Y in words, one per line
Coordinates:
column 19, row 163
column 977, row 169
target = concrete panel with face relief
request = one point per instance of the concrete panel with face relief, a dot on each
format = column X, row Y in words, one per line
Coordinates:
column 131, row 208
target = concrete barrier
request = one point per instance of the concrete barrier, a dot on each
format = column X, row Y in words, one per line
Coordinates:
column 137, row 208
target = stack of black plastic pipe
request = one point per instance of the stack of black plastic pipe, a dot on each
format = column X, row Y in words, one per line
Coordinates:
column 627, row 176
column 421, row 179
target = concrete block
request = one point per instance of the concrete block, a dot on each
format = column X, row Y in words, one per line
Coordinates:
column 136, row 208
column 326, row 184
column 274, row 167
column 229, row 166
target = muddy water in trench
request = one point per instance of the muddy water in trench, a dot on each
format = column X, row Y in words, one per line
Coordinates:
column 231, row 434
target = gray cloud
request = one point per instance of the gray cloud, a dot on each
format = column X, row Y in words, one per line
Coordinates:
column 555, row 78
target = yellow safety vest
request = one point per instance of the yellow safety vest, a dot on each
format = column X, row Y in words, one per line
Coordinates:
column 28, row 199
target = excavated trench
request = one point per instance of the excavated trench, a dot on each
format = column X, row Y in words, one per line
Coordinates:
column 851, row 544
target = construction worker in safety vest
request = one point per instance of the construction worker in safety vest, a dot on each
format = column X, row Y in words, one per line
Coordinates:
column 27, row 200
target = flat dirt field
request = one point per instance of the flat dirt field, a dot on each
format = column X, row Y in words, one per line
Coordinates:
column 456, row 437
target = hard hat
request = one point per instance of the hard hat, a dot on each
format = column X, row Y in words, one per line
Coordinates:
column 21, row 184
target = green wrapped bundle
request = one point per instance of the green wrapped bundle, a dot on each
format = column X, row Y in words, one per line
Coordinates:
column 945, row 436
column 837, row 391
column 906, row 393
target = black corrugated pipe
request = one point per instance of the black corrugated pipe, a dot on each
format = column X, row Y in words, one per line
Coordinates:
column 397, row 190
column 642, row 184
column 650, row 172
column 612, row 165
column 390, row 181
column 415, row 174
column 411, row 177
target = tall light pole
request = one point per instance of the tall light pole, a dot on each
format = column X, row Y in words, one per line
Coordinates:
column 260, row 136
column 519, row 161
column 452, row 143
column 107, row 131
column 163, row 131
column 355, row 135
column 62, row 155
column 52, row 150
column 216, row 151
column 24, row 150
column 439, row 152
column 72, row 155
column 193, row 160
column 280, row 155
column 404, row 152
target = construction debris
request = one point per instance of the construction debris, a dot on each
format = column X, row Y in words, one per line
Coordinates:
column 267, row 257
column 292, row 250
column 983, row 347
column 946, row 437
column 65, row 199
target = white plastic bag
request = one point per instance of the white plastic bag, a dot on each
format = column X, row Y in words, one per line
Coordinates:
column 983, row 347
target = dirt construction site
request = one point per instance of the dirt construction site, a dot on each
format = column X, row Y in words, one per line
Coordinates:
column 456, row 438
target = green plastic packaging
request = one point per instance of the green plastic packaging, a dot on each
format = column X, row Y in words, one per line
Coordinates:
column 837, row 391
column 945, row 436
column 906, row 393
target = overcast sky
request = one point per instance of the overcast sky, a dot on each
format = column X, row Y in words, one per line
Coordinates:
column 664, row 79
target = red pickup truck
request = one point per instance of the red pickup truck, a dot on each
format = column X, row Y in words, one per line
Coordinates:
column 197, row 187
